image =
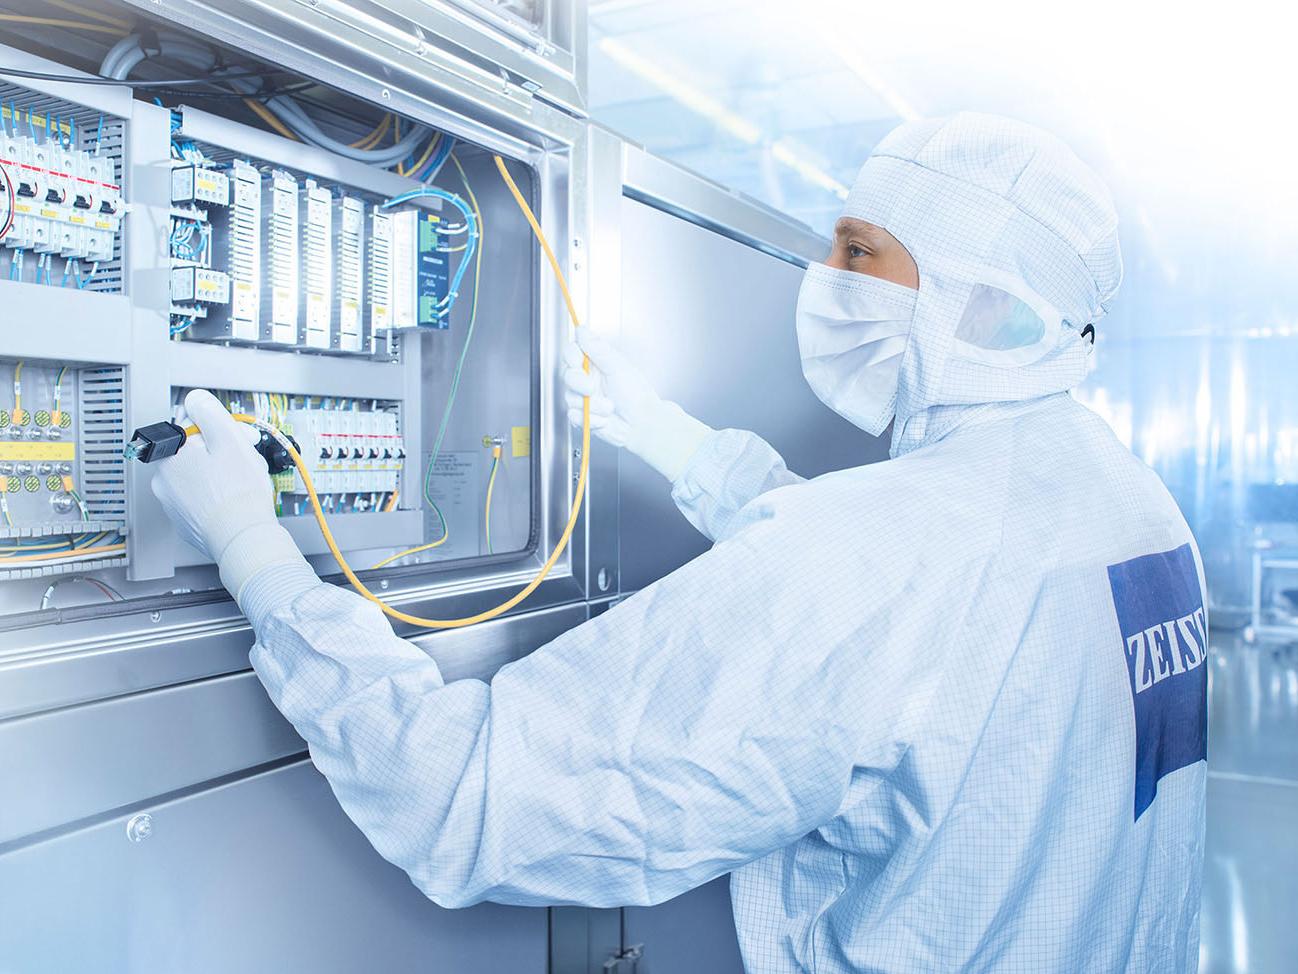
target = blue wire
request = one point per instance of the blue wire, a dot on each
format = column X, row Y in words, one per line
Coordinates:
column 99, row 133
column 470, row 246
column 434, row 165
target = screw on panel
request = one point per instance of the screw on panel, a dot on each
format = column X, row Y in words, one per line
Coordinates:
column 383, row 584
column 385, row 95
column 139, row 827
column 155, row 616
column 603, row 579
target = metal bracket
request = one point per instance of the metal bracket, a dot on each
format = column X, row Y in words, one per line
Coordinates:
column 625, row 961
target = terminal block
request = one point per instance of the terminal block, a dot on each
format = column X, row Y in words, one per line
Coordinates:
column 281, row 278
column 348, row 327
column 380, row 266
column 316, row 252
column 236, row 251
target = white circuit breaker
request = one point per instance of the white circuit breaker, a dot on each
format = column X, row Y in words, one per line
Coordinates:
column 349, row 451
column 66, row 202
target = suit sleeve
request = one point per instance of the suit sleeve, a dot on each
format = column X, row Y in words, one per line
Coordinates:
column 729, row 469
column 711, row 719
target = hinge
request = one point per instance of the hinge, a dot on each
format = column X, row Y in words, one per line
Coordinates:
column 625, row 961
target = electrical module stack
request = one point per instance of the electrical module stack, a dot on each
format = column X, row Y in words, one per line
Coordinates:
column 348, row 329
column 197, row 191
column 269, row 256
column 355, row 450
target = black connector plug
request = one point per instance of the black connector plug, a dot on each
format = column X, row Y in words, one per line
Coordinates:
column 162, row 440
column 155, row 442
column 276, row 457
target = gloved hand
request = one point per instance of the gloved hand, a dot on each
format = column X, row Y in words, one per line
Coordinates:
column 218, row 492
column 624, row 408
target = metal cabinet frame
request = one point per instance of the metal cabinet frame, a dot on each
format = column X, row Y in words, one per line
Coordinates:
column 85, row 687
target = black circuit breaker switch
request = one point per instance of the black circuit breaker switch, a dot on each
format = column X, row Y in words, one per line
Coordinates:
column 155, row 442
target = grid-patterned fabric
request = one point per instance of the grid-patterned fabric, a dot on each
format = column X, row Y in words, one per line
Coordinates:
column 979, row 199
column 892, row 700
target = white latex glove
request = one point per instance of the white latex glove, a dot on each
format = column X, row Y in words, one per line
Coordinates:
column 218, row 493
column 624, row 408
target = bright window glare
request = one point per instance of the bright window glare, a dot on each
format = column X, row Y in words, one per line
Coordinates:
column 1184, row 109
column 1171, row 103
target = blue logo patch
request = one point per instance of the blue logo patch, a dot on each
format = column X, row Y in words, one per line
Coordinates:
column 1165, row 641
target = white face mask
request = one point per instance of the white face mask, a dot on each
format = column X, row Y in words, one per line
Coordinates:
column 852, row 330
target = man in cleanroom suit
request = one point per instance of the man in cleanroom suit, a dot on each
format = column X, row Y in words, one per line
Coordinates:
column 944, row 712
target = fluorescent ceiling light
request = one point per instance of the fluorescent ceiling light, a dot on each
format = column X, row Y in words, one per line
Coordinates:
column 859, row 66
column 717, row 113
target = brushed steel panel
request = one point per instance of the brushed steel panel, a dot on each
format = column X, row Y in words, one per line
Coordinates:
column 261, row 874
column 694, row 933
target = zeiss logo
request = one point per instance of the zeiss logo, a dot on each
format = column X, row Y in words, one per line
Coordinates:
column 1165, row 641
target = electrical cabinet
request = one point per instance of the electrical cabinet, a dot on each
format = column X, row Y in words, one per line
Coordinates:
column 231, row 238
column 333, row 298
column 355, row 274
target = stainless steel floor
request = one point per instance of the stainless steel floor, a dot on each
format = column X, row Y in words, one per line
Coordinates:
column 1250, row 877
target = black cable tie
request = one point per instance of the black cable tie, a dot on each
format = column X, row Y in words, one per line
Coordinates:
column 149, row 42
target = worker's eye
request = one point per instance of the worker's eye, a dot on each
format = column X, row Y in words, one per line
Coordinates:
column 854, row 251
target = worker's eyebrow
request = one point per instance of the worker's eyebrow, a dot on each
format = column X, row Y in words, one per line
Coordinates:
column 849, row 225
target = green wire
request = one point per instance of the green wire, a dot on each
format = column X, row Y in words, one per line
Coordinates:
column 464, row 352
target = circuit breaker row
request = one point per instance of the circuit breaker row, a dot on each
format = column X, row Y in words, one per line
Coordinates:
column 348, row 451
column 65, row 201
column 261, row 257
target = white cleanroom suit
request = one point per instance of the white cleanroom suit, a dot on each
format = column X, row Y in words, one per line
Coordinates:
column 944, row 712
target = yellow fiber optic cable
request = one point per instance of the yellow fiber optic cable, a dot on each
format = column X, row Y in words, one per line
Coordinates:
column 377, row 133
column 428, row 152
column 578, row 495
column 75, row 554
column 412, row 551
column 268, row 117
